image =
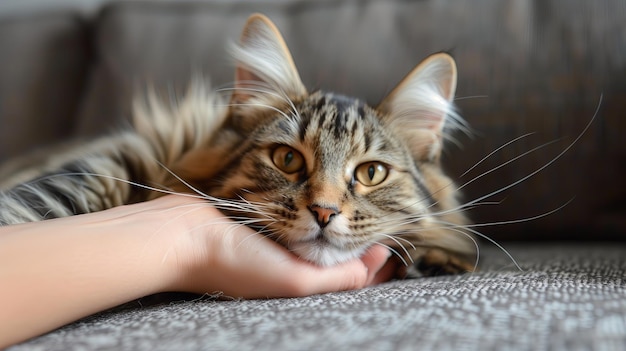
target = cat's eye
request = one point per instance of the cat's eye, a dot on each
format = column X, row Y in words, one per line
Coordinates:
column 371, row 173
column 287, row 159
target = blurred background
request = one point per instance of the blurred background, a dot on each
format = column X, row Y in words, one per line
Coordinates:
column 69, row 69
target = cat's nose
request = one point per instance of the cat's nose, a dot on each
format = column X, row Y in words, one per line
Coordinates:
column 323, row 215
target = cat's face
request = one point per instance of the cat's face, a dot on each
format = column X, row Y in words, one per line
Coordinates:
column 330, row 179
column 328, row 176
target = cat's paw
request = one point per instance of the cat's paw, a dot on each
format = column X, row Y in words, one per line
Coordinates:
column 440, row 262
column 435, row 262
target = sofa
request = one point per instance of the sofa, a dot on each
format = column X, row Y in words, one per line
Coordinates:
column 541, row 83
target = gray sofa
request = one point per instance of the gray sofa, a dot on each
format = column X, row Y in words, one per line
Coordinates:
column 69, row 70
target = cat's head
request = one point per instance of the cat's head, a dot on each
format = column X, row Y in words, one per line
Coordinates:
column 328, row 175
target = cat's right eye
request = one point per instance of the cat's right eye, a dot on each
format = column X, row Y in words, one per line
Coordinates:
column 287, row 159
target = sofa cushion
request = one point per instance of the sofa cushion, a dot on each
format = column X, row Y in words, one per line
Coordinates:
column 568, row 297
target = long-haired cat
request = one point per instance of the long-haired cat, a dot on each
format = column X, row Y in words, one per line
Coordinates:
column 323, row 174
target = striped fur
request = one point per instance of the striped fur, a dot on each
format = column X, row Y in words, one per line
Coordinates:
column 98, row 175
column 323, row 174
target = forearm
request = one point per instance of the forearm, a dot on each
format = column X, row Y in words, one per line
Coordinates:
column 58, row 271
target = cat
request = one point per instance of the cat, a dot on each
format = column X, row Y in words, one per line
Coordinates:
column 325, row 175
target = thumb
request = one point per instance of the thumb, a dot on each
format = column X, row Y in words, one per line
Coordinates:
column 354, row 274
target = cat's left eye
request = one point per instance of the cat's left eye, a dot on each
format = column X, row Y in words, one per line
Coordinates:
column 371, row 173
column 287, row 159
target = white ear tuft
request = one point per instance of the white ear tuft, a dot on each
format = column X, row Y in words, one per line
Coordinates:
column 420, row 107
column 263, row 59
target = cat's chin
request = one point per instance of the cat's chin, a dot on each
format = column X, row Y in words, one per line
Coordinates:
column 323, row 253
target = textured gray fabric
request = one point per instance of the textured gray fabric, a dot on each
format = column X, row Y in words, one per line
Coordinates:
column 569, row 297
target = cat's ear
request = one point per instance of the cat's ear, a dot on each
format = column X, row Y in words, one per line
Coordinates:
column 420, row 107
column 264, row 62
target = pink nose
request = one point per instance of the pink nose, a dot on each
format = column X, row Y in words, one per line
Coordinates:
column 323, row 215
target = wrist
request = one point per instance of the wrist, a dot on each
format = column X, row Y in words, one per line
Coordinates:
column 183, row 240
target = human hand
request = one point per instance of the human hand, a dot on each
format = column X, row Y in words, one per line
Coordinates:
column 219, row 256
column 92, row 262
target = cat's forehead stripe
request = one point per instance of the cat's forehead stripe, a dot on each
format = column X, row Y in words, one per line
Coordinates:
column 345, row 103
column 346, row 111
column 337, row 116
column 331, row 112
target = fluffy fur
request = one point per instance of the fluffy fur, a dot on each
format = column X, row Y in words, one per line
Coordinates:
column 323, row 174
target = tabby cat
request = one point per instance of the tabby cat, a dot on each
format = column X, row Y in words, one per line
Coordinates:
column 323, row 174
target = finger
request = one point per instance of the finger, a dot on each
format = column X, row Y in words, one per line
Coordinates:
column 318, row 280
column 374, row 259
column 270, row 270
column 371, row 268
column 386, row 273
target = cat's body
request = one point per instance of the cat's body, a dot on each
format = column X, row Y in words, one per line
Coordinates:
column 323, row 174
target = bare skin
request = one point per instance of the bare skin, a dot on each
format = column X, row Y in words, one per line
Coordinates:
column 61, row 270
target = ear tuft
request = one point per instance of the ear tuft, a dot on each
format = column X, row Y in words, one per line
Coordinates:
column 420, row 107
column 263, row 59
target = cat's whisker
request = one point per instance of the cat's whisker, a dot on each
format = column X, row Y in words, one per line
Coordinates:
column 477, row 233
column 470, row 227
column 265, row 229
column 549, row 163
column 257, row 208
column 519, row 220
column 461, row 208
column 490, row 171
column 278, row 235
column 397, row 237
column 185, row 183
column 242, row 203
column 247, row 220
column 457, row 229
column 218, row 203
column 459, row 98
column 495, row 168
column 494, row 152
column 47, row 213
column 395, row 240
column 129, row 182
column 256, row 204
column 506, row 163
column 415, row 218
column 476, row 246
column 478, row 201
column 394, row 252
